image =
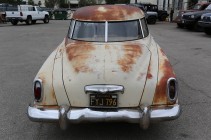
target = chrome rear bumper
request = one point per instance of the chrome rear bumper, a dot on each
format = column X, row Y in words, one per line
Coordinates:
column 136, row 115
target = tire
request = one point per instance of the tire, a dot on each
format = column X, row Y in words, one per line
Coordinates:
column 163, row 17
column 151, row 20
column 180, row 25
column 14, row 22
column 29, row 20
column 207, row 31
column 46, row 19
column 197, row 28
column 34, row 21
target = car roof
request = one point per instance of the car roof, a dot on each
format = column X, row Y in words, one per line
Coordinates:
column 108, row 13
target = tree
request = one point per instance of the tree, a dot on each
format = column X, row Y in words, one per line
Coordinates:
column 39, row 3
column 82, row 3
column 51, row 3
column 117, row 1
column 63, row 4
column 31, row 2
column 12, row 1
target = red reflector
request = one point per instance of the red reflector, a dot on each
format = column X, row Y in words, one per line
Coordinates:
column 37, row 90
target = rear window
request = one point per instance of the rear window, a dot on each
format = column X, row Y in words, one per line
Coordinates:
column 124, row 31
column 108, row 31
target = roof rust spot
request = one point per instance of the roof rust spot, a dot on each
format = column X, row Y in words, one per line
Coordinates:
column 108, row 13
column 132, row 53
column 78, row 52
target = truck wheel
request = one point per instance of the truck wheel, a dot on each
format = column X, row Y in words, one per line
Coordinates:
column 207, row 31
column 163, row 17
column 46, row 19
column 14, row 22
column 151, row 20
column 29, row 20
column 34, row 21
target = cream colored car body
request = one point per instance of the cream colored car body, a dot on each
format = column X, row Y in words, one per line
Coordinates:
column 140, row 66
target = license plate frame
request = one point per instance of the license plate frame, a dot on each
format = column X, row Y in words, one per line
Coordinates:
column 103, row 100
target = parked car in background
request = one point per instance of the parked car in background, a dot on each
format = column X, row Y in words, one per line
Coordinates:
column 162, row 14
column 151, row 16
column 197, row 7
column 27, row 13
column 191, row 19
column 108, row 68
column 205, row 22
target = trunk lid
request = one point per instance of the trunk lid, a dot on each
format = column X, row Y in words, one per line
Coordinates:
column 124, row 64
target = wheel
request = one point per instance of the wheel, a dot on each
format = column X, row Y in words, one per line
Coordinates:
column 180, row 25
column 197, row 28
column 207, row 31
column 189, row 27
column 29, row 20
column 14, row 22
column 151, row 20
column 34, row 21
column 163, row 17
column 46, row 19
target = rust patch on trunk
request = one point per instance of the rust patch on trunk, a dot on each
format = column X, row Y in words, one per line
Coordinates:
column 165, row 68
column 132, row 53
column 78, row 52
column 149, row 75
column 108, row 12
column 107, row 47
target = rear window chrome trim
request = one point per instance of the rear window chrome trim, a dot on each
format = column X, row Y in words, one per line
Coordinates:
column 106, row 30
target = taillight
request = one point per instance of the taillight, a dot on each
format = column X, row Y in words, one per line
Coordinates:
column 37, row 90
column 172, row 89
column 21, row 14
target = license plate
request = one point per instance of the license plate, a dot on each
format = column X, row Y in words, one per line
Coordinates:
column 103, row 100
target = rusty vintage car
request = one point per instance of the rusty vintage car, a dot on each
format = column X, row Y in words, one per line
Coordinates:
column 108, row 68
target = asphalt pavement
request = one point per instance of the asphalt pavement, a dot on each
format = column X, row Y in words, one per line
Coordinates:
column 23, row 49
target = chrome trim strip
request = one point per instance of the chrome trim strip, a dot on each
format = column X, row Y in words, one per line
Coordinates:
column 103, row 88
column 72, row 28
column 106, row 31
column 133, row 115
column 141, row 28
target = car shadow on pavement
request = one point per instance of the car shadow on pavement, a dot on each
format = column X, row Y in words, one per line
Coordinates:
column 111, row 131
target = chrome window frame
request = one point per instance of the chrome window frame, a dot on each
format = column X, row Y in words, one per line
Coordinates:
column 73, row 22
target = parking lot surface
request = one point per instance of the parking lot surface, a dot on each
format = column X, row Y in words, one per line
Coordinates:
column 23, row 49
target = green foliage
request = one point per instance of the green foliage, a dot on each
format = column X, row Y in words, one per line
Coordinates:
column 39, row 3
column 51, row 3
column 86, row 2
column 31, row 2
column 117, row 1
column 63, row 4
column 11, row 1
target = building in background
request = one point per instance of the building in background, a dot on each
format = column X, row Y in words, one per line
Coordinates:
column 162, row 4
column 42, row 2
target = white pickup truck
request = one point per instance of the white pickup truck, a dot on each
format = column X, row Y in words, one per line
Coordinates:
column 27, row 13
